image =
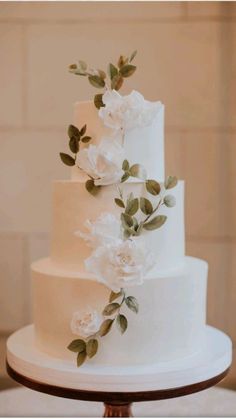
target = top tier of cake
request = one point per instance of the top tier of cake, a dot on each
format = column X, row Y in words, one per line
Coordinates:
column 143, row 145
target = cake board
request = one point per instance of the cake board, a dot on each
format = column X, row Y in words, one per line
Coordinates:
column 118, row 387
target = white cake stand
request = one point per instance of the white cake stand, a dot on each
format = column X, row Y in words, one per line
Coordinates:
column 118, row 387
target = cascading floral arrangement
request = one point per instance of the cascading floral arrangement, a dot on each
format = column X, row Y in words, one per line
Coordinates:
column 120, row 257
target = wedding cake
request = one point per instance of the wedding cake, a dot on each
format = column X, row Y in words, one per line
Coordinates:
column 117, row 288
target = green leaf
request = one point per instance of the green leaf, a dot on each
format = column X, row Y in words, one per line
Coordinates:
column 146, row 206
column 138, row 171
column 119, row 202
column 83, row 130
column 122, row 323
column 91, row 347
column 112, row 70
column 153, row 187
column 125, row 165
column 132, row 207
column 77, row 345
column 83, row 65
column 74, row 145
column 102, row 74
column 132, row 304
column 86, row 139
column 169, row 201
column 115, row 295
column 171, row 182
column 133, row 55
column 91, row 188
column 117, row 82
column 155, row 223
column 110, row 309
column 98, row 101
column 81, row 358
column 96, row 81
column 126, row 220
column 122, row 61
column 127, row 70
column 105, row 327
column 66, row 159
column 139, row 229
column 125, row 177
column 73, row 132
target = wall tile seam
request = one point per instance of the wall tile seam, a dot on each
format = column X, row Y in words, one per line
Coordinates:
column 168, row 128
column 180, row 19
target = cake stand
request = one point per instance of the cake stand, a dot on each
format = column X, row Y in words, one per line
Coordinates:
column 118, row 387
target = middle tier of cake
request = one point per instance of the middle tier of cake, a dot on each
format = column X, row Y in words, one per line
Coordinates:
column 73, row 205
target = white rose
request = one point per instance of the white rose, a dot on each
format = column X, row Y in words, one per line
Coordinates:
column 121, row 264
column 104, row 230
column 86, row 323
column 103, row 162
column 127, row 112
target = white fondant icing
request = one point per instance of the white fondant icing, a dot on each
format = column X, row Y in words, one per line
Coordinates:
column 170, row 323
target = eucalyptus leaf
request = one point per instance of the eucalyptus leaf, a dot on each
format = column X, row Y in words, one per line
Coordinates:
column 125, row 165
column 105, row 327
column 83, row 130
column 171, row 182
column 139, row 229
column 126, row 220
column 127, row 70
column 119, row 202
column 117, row 82
column 67, row 159
column 132, row 304
column 81, row 357
column 96, row 81
column 138, row 171
column 132, row 206
column 112, row 70
column 91, row 347
column 98, row 101
column 122, row 323
column 169, row 201
column 122, row 61
column 77, row 345
column 125, row 177
column 91, row 188
column 102, row 74
column 73, row 132
column 133, row 55
column 155, row 223
column 153, row 187
column 110, row 309
column 74, row 145
column 146, row 206
column 115, row 295
column 86, row 139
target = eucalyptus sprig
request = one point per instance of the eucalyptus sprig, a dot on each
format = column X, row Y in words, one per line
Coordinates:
column 112, row 79
column 88, row 348
column 130, row 224
column 76, row 136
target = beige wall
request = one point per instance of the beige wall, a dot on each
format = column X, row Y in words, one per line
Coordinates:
column 185, row 59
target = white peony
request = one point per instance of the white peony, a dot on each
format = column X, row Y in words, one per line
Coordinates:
column 104, row 230
column 86, row 323
column 103, row 162
column 127, row 112
column 121, row 264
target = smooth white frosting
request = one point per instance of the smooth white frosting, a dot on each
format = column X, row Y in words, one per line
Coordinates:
column 170, row 323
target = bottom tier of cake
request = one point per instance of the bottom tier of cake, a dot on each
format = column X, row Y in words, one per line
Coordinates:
column 170, row 323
